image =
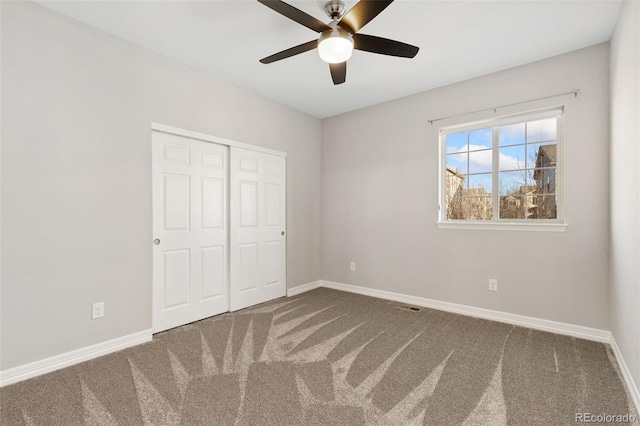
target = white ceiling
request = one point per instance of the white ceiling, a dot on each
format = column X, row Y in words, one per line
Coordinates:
column 458, row 40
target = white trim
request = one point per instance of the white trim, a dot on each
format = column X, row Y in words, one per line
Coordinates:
column 57, row 362
column 579, row 331
column 207, row 138
column 495, row 123
column 626, row 374
column 503, row 226
column 303, row 288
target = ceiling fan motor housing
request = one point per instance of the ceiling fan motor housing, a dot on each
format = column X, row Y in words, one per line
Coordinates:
column 335, row 9
column 339, row 37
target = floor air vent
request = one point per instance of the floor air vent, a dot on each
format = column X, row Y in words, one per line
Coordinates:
column 409, row 308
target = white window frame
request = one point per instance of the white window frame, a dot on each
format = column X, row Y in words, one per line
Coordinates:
column 549, row 225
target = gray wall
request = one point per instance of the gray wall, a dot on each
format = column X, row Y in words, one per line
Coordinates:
column 624, row 306
column 77, row 106
column 380, row 190
column 76, row 186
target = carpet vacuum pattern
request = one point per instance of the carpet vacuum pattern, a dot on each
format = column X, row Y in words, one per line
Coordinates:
column 327, row 357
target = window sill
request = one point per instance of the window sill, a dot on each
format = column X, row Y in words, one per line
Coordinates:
column 504, row 226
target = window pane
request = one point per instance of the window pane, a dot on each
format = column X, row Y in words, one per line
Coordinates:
column 525, row 168
column 480, row 208
column 512, row 158
column 457, row 162
column 512, row 135
column 457, row 208
column 480, row 161
column 512, row 207
column 480, row 139
column 480, row 185
column 531, row 182
column 469, row 208
column 542, row 130
column 511, row 182
column 454, row 184
column 545, row 207
column 457, row 142
column 545, row 180
column 541, row 155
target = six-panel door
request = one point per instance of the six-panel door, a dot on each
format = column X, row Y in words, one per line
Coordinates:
column 190, row 252
column 257, row 224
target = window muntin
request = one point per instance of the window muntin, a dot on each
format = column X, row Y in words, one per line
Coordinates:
column 504, row 171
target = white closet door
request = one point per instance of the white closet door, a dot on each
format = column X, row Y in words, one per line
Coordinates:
column 257, row 222
column 190, row 272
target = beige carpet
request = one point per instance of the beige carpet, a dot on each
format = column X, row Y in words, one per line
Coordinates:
column 331, row 358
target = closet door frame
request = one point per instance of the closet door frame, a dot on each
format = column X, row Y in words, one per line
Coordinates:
column 208, row 138
column 158, row 127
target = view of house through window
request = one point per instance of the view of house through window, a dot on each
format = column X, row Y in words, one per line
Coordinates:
column 502, row 172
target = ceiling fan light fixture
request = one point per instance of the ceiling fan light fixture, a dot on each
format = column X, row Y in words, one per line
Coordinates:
column 339, row 37
column 335, row 46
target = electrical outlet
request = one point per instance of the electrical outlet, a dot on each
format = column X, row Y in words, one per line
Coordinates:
column 352, row 266
column 97, row 310
column 493, row 285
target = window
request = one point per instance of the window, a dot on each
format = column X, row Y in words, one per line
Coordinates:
column 502, row 172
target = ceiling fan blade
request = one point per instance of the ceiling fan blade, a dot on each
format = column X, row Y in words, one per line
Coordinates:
column 296, row 15
column 339, row 72
column 292, row 51
column 384, row 46
column 363, row 12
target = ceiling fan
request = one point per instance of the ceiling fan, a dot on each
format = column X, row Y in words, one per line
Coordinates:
column 339, row 37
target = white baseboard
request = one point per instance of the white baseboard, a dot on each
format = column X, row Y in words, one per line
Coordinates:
column 302, row 288
column 578, row 331
column 626, row 375
column 581, row 332
column 27, row 371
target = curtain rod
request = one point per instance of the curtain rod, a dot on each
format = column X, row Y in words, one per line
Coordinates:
column 573, row 92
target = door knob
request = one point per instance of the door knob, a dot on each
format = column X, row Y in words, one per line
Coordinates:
column 282, row 233
column 156, row 241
